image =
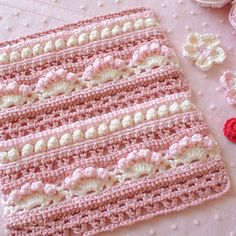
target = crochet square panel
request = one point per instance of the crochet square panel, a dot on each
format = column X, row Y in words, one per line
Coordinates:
column 98, row 130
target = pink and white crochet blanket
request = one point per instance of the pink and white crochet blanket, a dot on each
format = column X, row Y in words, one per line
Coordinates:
column 98, row 130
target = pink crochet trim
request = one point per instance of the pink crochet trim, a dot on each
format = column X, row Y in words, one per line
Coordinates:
column 228, row 81
column 232, row 14
column 98, row 129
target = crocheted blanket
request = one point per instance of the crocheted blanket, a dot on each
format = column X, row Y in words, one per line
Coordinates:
column 98, row 130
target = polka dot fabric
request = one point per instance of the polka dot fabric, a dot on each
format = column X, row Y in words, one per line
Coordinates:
column 98, row 129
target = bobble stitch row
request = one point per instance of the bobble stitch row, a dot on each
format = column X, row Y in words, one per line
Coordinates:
column 73, row 40
column 103, row 129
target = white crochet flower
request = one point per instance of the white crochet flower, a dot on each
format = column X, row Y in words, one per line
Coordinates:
column 204, row 50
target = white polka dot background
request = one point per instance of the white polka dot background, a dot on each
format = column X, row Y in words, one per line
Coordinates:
column 179, row 18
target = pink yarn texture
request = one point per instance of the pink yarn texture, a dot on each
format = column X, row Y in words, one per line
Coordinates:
column 98, row 129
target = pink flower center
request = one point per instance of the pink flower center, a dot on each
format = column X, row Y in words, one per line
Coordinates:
column 203, row 52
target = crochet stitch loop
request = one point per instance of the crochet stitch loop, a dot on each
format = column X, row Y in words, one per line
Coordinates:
column 98, row 129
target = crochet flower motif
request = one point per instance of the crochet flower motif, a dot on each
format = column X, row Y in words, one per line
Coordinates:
column 230, row 130
column 204, row 50
column 228, row 80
